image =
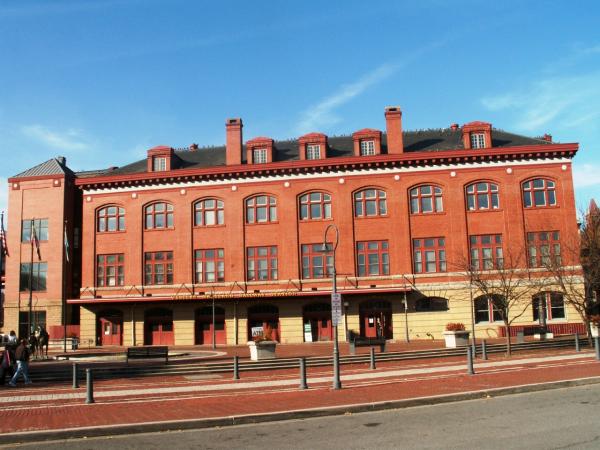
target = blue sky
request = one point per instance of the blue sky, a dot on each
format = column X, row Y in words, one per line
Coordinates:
column 101, row 81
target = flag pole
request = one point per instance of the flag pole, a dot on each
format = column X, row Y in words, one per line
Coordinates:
column 64, row 296
column 30, row 280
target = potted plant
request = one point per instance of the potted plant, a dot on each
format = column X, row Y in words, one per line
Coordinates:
column 594, row 324
column 262, row 346
column 456, row 335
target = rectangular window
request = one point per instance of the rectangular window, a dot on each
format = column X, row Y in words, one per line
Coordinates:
column 543, row 248
column 259, row 155
column 41, row 229
column 261, row 263
column 429, row 255
column 477, row 140
column 486, row 251
column 109, row 270
column 313, row 152
column 314, row 260
column 158, row 268
column 39, row 275
column 159, row 163
column 367, row 148
column 210, row 265
column 372, row 258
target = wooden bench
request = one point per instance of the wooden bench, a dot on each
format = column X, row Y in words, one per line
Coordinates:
column 153, row 351
column 358, row 341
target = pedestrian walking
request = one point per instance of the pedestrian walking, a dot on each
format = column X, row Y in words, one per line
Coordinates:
column 22, row 355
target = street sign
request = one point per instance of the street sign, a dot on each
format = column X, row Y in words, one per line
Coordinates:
column 336, row 308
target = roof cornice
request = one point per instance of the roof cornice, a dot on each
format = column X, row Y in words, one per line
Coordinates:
column 349, row 162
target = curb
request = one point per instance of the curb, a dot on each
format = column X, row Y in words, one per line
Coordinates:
column 179, row 425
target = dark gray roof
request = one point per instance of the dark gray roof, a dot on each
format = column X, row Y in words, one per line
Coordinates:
column 338, row 146
column 54, row 166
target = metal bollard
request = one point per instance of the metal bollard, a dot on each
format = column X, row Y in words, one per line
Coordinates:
column 236, row 368
column 372, row 358
column 470, row 370
column 89, row 386
column 597, row 344
column 75, row 376
column 474, row 348
column 577, row 346
column 303, row 384
column 484, row 350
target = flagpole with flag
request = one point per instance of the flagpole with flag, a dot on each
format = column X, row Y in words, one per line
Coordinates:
column 3, row 249
column 34, row 242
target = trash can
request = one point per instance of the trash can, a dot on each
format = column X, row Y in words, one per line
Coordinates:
column 520, row 336
column 74, row 343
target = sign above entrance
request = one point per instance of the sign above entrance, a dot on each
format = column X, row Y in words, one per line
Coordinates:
column 336, row 308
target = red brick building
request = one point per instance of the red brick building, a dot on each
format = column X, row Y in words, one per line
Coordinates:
column 154, row 244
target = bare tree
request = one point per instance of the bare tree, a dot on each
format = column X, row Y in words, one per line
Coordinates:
column 507, row 283
column 576, row 269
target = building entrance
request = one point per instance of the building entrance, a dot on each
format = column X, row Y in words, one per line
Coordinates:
column 158, row 327
column 317, row 322
column 204, row 326
column 109, row 327
column 376, row 319
column 263, row 320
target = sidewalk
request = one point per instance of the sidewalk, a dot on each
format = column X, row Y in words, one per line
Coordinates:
column 175, row 402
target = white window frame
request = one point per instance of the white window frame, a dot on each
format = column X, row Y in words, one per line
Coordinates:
column 367, row 147
column 159, row 164
column 477, row 140
column 313, row 151
column 259, row 156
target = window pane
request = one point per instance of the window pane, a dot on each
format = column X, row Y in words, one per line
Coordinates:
column 426, row 204
column 315, row 211
column 540, row 198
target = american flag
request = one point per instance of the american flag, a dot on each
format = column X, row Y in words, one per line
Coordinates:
column 3, row 244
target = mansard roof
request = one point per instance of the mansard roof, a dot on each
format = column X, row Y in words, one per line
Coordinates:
column 433, row 140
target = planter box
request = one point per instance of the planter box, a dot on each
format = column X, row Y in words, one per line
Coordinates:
column 456, row 338
column 541, row 337
column 262, row 350
column 594, row 330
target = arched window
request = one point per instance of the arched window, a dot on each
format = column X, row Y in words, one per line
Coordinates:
column 209, row 212
column 158, row 215
column 426, row 199
column 261, row 209
column 482, row 196
column 431, row 304
column 111, row 218
column 315, row 206
column 370, row 203
column 487, row 308
column 539, row 192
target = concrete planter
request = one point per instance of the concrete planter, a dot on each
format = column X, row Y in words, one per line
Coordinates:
column 594, row 330
column 456, row 338
column 262, row 350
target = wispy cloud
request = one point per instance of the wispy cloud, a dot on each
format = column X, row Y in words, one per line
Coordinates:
column 323, row 113
column 557, row 101
column 586, row 175
column 67, row 140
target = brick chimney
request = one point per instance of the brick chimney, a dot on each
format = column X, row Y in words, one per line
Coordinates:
column 233, row 151
column 393, row 125
column 547, row 137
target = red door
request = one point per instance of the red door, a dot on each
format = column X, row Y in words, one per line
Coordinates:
column 204, row 331
column 370, row 326
column 325, row 329
column 160, row 333
column 111, row 331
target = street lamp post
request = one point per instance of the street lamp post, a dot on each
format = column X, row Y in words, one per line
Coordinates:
column 337, row 384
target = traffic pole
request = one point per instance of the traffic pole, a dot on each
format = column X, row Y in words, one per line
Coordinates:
column 89, row 386
column 303, row 384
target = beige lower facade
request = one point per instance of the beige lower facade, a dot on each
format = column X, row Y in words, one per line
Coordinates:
column 305, row 319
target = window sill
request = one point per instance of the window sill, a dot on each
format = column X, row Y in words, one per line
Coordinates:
column 111, row 232
column 381, row 216
column 261, row 223
column 485, row 210
column 433, row 213
column 159, row 229
column 533, row 208
column 199, row 227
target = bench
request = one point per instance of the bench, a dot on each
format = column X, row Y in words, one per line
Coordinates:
column 154, row 351
column 358, row 341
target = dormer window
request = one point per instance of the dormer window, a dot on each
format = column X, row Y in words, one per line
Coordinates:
column 477, row 140
column 367, row 148
column 259, row 156
column 159, row 164
column 259, row 150
column 313, row 152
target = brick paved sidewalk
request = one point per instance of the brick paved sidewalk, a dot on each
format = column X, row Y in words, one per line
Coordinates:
column 175, row 398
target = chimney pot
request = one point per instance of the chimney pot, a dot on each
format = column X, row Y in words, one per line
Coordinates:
column 454, row 127
column 547, row 137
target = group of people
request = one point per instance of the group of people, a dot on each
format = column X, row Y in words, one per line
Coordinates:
column 15, row 360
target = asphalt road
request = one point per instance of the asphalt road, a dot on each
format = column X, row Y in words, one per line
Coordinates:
column 554, row 419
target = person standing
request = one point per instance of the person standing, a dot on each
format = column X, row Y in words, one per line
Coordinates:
column 22, row 355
